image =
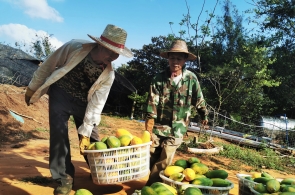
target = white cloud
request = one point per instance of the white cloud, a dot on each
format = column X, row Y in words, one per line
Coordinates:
column 12, row 33
column 38, row 9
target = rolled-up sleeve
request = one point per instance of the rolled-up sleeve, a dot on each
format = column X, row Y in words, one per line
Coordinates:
column 95, row 106
column 152, row 101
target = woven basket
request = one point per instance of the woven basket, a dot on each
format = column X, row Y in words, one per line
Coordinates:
column 206, row 190
column 118, row 165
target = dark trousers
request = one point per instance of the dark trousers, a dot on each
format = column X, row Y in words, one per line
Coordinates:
column 61, row 106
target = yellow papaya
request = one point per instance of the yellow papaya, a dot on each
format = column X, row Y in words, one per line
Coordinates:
column 170, row 169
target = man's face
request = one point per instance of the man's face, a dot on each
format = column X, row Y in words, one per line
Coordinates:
column 176, row 61
column 102, row 55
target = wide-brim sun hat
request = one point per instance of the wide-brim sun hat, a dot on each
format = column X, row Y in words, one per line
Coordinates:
column 180, row 47
column 114, row 38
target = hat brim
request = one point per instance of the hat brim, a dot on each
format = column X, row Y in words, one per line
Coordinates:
column 190, row 57
column 125, row 52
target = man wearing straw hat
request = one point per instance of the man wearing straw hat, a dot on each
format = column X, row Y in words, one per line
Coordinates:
column 77, row 77
column 172, row 93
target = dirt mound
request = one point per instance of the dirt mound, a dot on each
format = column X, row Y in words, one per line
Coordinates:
column 20, row 122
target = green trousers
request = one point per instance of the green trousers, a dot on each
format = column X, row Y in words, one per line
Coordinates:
column 162, row 153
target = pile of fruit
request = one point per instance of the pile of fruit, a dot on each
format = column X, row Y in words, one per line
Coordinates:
column 192, row 171
column 159, row 188
column 264, row 183
column 122, row 138
column 187, row 177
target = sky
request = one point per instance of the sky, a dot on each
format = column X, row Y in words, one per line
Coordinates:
column 64, row 20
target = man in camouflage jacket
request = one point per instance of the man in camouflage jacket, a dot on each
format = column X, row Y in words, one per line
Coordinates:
column 172, row 95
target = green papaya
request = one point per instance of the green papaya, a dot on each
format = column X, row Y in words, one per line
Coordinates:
column 182, row 163
column 288, row 181
column 163, row 189
column 272, row 185
column 262, row 180
column 192, row 191
column 147, row 190
column 218, row 182
column 265, row 174
column 202, row 181
column 217, row 174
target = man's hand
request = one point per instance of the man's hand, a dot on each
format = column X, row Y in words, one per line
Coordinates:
column 204, row 122
column 29, row 93
column 84, row 142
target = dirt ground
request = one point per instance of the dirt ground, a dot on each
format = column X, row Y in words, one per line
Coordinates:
column 24, row 150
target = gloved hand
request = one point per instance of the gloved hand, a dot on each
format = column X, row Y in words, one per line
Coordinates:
column 149, row 125
column 84, row 142
column 29, row 93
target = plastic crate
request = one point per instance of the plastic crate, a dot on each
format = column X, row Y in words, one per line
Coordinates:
column 118, row 165
column 245, row 184
column 206, row 190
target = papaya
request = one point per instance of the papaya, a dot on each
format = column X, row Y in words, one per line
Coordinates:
column 125, row 140
column 192, row 191
column 182, row 163
column 262, row 180
column 193, row 160
column 199, row 168
column 100, row 146
column 104, row 139
column 272, row 185
column 249, row 178
column 265, row 174
column 146, row 137
column 147, row 190
column 189, row 174
column 288, row 189
column 177, row 176
column 170, row 169
column 135, row 141
column 113, row 142
column 83, row 192
column 260, row 187
column 121, row 132
column 199, row 176
column 91, row 146
column 163, row 189
column 218, row 182
column 217, row 174
column 288, row 181
column 256, row 174
column 202, row 182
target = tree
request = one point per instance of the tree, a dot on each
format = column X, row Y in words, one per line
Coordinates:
column 40, row 48
column 277, row 19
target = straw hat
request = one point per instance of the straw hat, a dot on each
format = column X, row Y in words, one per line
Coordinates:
column 114, row 38
column 178, row 46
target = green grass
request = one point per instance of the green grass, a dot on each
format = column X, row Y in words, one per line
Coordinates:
column 244, row 155
column 41, row 129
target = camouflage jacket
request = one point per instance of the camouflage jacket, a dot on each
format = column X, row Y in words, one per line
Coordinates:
column 170, row 104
